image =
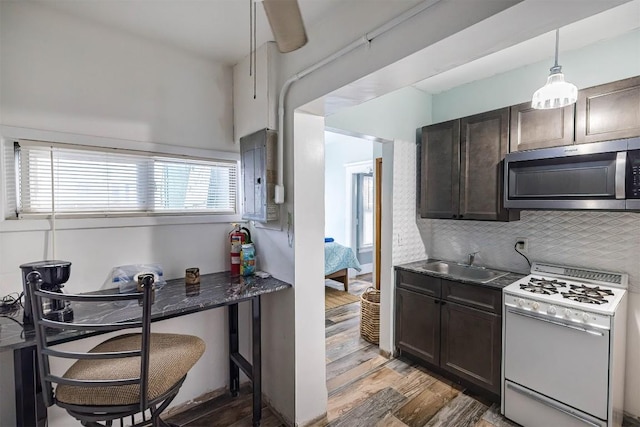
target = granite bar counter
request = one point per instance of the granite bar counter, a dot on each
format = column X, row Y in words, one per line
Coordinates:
column 497, row 283
column 173, row 299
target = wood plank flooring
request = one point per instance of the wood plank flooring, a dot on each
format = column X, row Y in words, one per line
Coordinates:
column 365, row 389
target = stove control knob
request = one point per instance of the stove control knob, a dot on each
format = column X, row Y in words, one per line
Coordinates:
column 520, row 302
column 567, row 312
column 585, row 317
column 536, row 306
column 552, row 309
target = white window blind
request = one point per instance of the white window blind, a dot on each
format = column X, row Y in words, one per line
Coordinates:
column 92, row 181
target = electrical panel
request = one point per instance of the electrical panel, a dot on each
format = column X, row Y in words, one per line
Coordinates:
column 259, row 171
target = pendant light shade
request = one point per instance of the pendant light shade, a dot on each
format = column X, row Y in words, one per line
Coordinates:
column 557, row 93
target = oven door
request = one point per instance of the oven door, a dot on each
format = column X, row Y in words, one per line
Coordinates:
column 567, row 362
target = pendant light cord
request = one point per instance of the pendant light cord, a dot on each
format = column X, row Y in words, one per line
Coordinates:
column 557, row 44
column 252, row 44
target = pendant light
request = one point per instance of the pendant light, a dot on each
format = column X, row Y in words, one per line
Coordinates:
column 557, row 93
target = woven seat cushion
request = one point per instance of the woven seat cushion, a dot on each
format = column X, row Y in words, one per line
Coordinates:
column 172, row 356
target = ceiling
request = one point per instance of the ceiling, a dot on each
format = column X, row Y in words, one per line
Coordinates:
column 219, row 30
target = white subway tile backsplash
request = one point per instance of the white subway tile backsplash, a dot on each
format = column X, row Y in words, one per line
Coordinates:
column 408, row 243
column 598, row 240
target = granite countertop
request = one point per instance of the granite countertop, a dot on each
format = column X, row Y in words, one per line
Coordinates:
column 172, row 300
column 498, row 283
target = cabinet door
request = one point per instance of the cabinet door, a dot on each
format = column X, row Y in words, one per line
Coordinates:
column 531, row 128
column 484, row 140
column 472, row 345
column 439, row 189
column 609, row 111
column 418, row 325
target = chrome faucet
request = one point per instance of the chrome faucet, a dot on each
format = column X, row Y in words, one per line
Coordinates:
column 471, row 257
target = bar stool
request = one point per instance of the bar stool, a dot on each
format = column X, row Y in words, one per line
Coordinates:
column 123, row 376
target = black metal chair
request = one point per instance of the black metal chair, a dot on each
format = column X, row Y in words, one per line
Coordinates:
column 123, row 376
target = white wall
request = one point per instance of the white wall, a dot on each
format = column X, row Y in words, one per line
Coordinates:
column 78, row 81
column 340, row 151
column 395, row 115
column 309, row 273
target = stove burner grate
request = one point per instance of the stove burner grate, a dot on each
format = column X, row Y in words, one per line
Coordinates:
column 586, row 299
column 588, row 294
column 542, row 286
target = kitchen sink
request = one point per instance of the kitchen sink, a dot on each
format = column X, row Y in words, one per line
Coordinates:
column 463, row 271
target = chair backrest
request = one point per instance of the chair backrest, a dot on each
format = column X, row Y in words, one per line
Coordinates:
column 41, row 323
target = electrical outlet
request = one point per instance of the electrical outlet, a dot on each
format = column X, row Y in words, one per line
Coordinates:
column 522, row 244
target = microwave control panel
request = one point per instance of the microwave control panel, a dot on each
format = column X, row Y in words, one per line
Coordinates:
column 633, row 175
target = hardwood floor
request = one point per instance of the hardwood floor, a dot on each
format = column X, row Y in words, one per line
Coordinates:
column 365, row 389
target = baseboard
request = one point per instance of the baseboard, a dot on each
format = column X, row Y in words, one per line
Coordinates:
column 278, row 414
column 386, row 354
column 185, row 406
column 313, row 421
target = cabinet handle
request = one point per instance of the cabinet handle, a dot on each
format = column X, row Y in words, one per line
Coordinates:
column 460, row 216
column 455, row 216
column 443, row 302
column 435, row 301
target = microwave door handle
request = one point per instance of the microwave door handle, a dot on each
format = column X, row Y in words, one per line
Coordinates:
column 621, row 170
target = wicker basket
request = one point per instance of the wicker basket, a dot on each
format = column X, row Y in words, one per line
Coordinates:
column 370, row 315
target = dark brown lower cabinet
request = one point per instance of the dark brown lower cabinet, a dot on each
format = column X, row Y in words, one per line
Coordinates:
column 457, row 327
column 418, row 325
column 470, row 345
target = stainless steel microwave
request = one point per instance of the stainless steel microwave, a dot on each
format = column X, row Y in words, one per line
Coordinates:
column 601, row 175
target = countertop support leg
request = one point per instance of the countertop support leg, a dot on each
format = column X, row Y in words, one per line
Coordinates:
column 257, row 360
column 234, row 371
column 30, row 407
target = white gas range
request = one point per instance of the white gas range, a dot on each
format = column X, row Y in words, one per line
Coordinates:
column 564, row 332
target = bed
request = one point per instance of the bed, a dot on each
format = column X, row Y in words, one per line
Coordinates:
column 337, row 261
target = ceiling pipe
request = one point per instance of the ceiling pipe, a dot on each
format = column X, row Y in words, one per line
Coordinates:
column 364, row 40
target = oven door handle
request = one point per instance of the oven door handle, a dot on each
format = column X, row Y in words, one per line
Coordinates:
column 544, row 319
column 550, row 404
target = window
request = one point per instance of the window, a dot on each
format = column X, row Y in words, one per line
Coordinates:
column 364, row 210
column 84, row 181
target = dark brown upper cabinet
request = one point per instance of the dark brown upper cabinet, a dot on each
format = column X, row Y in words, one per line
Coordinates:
column 531, row 128
column 439, row 184
column 609, row 111
column 461, row 173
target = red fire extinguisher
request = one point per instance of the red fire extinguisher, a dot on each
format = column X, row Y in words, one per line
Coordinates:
column 238, row 236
